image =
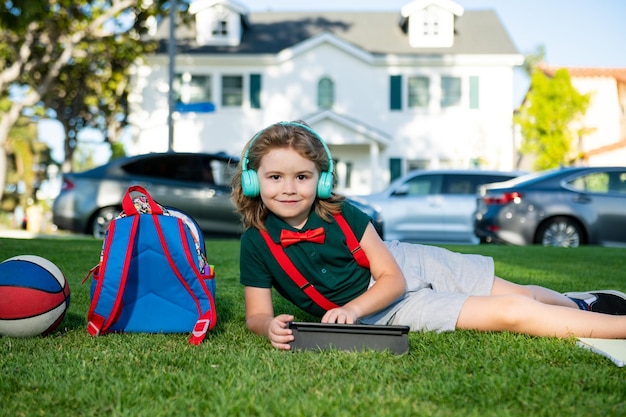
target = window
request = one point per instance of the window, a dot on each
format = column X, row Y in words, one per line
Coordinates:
column 597, row 182
column 617, row 182
column 474, row 92
column 171, row 167
column 419, row 92
column 469, row 183
column 431, row 24
column 191, row 88
column 232, row 90
column 458, row 184
column 348, row 165
column 216, row 171
column 413, row 164
column 325, row 93
column 425, row 185
column 220, row 22
column 450, row 91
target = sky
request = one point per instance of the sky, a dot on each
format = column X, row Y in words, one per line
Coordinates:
column 575, row 33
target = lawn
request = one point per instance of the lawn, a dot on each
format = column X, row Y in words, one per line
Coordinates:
column 235, row 373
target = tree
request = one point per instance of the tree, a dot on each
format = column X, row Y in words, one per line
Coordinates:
column 27, row 162
column 547, row 116
column 41, row 39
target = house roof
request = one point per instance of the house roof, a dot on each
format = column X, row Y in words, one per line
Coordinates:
column 369, row 131
column 379, row 33
column 618, row 73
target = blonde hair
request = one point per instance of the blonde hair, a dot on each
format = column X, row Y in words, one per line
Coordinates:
column 282, row 135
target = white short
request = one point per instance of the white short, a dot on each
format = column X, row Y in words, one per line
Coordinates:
column 438, row 283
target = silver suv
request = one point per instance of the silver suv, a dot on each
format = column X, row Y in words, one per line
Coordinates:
column 433, row 206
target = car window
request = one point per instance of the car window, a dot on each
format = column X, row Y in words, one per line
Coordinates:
column 458, row 184
column 600, row 182
column 597, row 182
column 219, row 172
column 468, row 184
column 424, row 185
column 488, row 179
column 617, row 182
column 174, row 167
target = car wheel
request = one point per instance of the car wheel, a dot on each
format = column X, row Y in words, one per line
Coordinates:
column 560, row 231
column 101, row 221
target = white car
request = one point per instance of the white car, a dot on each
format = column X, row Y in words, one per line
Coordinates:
column 433, row 206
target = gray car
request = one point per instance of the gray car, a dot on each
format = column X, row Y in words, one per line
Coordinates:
column 564, row 207
column 195, row 183
column 433, row 205
column 198, row 184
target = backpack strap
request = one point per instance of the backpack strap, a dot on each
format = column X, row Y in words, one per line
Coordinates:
column 207, row 314
column 295, row 275
column 104, row 310
column 128, row 206
column 352, row 242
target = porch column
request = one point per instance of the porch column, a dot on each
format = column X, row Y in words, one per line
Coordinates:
column 375, row 179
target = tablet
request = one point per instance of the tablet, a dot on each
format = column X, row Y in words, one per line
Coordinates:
column 356, row 337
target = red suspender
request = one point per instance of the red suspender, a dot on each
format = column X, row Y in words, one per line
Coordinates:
column 295, row 275
column 299, row 279
column 353, row 243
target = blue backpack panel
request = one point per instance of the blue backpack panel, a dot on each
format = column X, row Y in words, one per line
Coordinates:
column 153, row 276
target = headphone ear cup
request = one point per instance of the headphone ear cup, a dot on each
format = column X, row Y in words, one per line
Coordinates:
column 325, row 185
column 250, row 183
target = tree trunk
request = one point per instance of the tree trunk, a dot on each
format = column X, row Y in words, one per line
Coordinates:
column 7, row 121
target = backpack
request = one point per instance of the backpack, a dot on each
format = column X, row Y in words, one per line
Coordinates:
column 153, row 276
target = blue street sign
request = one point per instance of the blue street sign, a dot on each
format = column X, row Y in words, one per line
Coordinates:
column 205, row 107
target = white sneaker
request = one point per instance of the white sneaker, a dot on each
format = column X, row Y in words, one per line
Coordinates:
column 602, row 301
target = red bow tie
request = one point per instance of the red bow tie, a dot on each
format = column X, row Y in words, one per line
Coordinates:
column 287, row 237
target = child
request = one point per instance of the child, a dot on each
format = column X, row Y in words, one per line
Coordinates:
column 284, row 186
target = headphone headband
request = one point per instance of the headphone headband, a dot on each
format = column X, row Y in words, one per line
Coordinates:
column 245, row 161
column 250, row 181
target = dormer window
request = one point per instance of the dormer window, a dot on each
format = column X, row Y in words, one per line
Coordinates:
column 430, row 23
column 220, row 22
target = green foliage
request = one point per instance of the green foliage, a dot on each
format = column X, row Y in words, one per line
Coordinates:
column 117, row 150
column 532, row 60
column 26, row 164
column 236, row 373
column 75, row 55
column 546, row 117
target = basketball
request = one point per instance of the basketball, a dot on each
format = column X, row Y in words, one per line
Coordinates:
column 34, row 296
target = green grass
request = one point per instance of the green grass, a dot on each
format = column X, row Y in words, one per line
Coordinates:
column 235, row 373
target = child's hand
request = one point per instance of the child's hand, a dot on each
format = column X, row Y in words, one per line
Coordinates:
column 340, row 315
column 279, row 333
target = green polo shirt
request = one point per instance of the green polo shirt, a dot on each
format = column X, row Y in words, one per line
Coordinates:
column 329, row 267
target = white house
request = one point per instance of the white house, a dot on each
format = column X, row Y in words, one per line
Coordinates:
column 427, row 86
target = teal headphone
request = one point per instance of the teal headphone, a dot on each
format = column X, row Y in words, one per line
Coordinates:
column 250, row 180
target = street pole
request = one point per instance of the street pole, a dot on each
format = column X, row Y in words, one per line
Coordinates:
column 171, row 48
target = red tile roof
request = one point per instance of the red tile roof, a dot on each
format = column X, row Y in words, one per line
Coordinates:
column 618, row 73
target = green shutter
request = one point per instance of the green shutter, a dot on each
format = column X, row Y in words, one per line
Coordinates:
column 474, row 92
column 255, row 91
column 395, row 168
column 395, row 92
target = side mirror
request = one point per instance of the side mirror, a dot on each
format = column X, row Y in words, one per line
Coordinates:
column 402, row 190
